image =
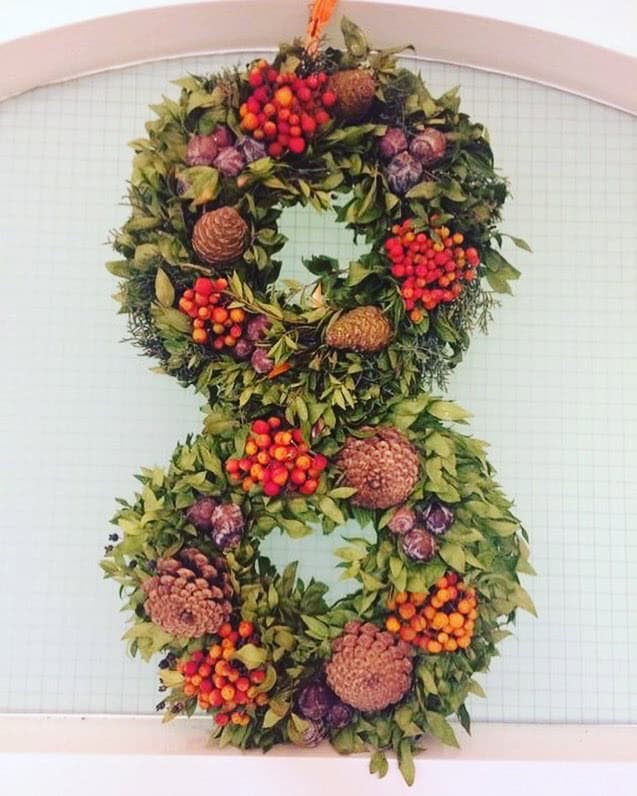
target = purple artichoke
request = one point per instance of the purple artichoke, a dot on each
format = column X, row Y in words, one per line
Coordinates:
column 243, row 348
column 200, row 513
column 403, row 172
column 339, row 715
column 201, row 151
column 436, row 517
column 257, row 327
column 315, row 701
column 315, row 732
column 227, row 525
column 230, row 161
column 250, row 149
column 222, row 137
column 403, row 520
column 260, row 361
column 392, row 143
column 429, row 146
column 418, row 544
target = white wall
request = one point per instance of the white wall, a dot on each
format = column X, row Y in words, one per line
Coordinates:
column 612, row 25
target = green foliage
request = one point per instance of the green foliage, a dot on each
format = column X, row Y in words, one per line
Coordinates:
column 329, row 394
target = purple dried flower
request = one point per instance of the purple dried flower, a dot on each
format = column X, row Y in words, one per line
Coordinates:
column 403, row 520
column 315, row 700
column 200, row 513
column 260, row 361
column 436, row 517
column 339, row 715
column 257, row 327
column 222, row 137
column 418, row 544
column 250, row 149
column 201, row 151
column 230, row 161
column 392, row 143
column 227, row 525
column 403, row 172
column 243, row 349
column 428, row 146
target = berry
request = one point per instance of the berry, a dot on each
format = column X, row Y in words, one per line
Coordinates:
column 297, row 145
column 328, row 98
column 255, row 78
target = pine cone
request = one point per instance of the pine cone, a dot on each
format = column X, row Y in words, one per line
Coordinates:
column 369, row 668
column 220, row 236
column 364, row 329
column 189, row 595
column 419, row 544
column 227, row 525
column 383, row 468
column 354, row 89
column 428, row 146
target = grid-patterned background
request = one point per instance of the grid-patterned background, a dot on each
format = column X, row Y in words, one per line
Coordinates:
column 553, row 388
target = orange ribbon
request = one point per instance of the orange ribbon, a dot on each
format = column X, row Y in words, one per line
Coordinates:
column 320, row 14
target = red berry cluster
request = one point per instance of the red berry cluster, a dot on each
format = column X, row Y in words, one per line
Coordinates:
column 284, row 109
column 220, row 683
column 277, row 458
column 211, row 319
column 432, row 269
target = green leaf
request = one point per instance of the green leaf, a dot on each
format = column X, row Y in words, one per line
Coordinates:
column 355, row 41
column 424, row 190
column 331, row 510
column 453, row 554
column 316, row 628
column 251, row 656
column 446, row 410
column 406, row 761
column 164, row 290
column 522, row 598
column 519, row 242
column 441, row 728
column 378, row 764
column 477, row 689
column 342, row 492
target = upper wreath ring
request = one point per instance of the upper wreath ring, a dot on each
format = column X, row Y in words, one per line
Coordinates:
column 348, row 129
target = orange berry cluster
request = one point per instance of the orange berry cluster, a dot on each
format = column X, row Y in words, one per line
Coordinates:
column 431, row 271
column 212, row 321
column 277, row 458
column 441, row 621
column 285, row 110
column 222, row 684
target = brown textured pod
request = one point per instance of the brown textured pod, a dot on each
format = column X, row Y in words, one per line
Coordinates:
column 383, row 468
column 370, row 669
column 363, row 329
column 220, row 236
column 189, row 595
column 354, row 89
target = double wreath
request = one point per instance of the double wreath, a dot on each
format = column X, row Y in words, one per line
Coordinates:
column 317, row 405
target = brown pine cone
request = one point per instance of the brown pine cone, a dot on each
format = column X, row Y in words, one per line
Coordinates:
column 383, row 468
column 354, row 89
column 363, row 329
column 220, row 236
column 189, row 595
column 369, row 668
